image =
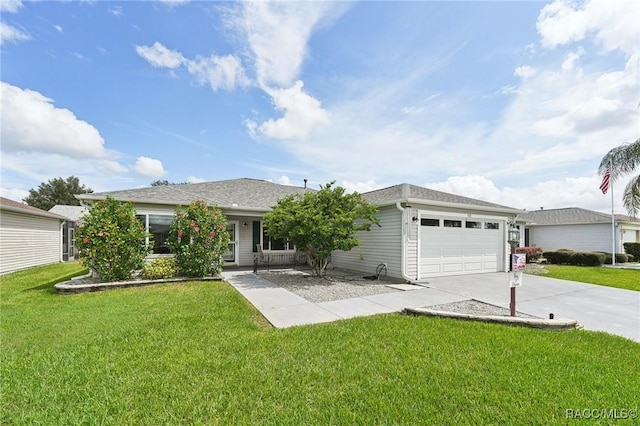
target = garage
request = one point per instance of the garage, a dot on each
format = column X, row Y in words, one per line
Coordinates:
column 457, row 245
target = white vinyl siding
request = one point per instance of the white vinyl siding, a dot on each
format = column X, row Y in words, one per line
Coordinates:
column 380, row 245
column 582, row 237
column 587, row 237
column 28, row 240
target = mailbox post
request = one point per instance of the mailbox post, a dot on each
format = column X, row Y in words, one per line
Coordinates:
column 516, row 264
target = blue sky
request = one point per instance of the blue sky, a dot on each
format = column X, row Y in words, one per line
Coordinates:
column 510, row 102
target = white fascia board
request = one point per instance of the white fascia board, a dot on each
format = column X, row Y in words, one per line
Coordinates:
column 415, row 202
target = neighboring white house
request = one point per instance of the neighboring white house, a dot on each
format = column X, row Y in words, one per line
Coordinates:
column 578, row 229
column 73, row 215
column 424, row 233
column 28, row 236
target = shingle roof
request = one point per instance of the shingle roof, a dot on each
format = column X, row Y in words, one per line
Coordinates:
column 16, row 206
column 570, row 215
column 405, row 191
column 227, row 194
column 70, row 212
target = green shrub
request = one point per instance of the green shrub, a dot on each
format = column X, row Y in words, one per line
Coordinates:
column 578, row 258
column 164, row 267
column 199, row 238
column 632, row 249
column 620, row 257
column 111, row 241
column 557, row 257
column 533, row 253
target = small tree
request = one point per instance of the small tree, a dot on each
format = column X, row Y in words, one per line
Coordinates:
column 321, row 222
column 199, row 238
column 56, row 191
column 111, row 240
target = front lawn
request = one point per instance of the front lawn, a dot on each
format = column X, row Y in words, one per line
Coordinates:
column 198, row 353
column 611, row 277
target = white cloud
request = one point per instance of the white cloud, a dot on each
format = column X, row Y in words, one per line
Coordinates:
column 116, row 11
column 58, row 28
column 302, row 113
column 10, row 6
column 525, row 72
column 362, row 187
column 614, row 24
column 113, row 166
column 31, row 123
column 284, row 180
column 218, row 71
column 11, row 34
column 277, row 33
column 160, row 57
column 193, row 179
column 571, row 59
column 555, row 193
column 174, row 3
column 149, row 167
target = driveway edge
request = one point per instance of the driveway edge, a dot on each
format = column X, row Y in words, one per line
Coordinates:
column 549, row 324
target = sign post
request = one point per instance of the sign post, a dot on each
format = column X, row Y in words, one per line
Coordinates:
column 518, row 265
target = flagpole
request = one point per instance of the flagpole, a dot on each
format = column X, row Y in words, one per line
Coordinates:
column 613, row 225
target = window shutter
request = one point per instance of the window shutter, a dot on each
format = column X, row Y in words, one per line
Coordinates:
column 256, row 235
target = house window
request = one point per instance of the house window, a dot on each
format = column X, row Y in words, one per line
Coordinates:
column 452, row 223
column 158, row 226
column 472, row 225
column 491, row 225
column 429, row 222
column 270, row 243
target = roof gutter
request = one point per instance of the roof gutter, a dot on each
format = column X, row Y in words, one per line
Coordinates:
column 403, row 261
column 173, row 203
column 419, row 201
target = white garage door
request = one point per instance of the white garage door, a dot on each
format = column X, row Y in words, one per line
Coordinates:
column 457, row 246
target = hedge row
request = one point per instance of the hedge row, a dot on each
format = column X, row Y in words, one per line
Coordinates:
column 632, row 249
column 579, row 258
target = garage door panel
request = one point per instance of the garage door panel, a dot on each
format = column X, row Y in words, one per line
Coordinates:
column 460, row 250
column 452, row 267
column 473, row 266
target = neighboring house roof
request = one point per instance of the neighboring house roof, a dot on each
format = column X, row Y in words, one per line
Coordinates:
column 231, row 194
column 407, row 193
column 16, row 206
column 571, row 216
column 70, row 212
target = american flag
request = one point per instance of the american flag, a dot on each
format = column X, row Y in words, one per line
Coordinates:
column 604, row 186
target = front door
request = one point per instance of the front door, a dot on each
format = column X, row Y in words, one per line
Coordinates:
column 231, row 255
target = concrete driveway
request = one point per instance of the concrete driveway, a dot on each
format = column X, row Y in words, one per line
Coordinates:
column 597, row 308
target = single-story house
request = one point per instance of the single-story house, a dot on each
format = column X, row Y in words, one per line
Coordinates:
column 73, row 215
column 28, row 236
column 423, row 233
column 578, row 229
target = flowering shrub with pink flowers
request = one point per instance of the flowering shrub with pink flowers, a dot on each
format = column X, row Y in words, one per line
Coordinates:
column 111, row 240
column 198, row 237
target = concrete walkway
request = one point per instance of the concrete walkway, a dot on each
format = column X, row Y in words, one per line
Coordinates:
column 599, row 308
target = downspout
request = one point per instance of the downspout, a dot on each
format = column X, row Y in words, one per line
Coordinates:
column 403, row 260
column 61, row 239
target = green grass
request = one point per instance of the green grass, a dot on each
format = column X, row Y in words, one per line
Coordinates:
column 620, row 278
column 198, row 353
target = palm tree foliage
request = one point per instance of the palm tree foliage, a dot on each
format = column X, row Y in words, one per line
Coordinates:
column 623, row 160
